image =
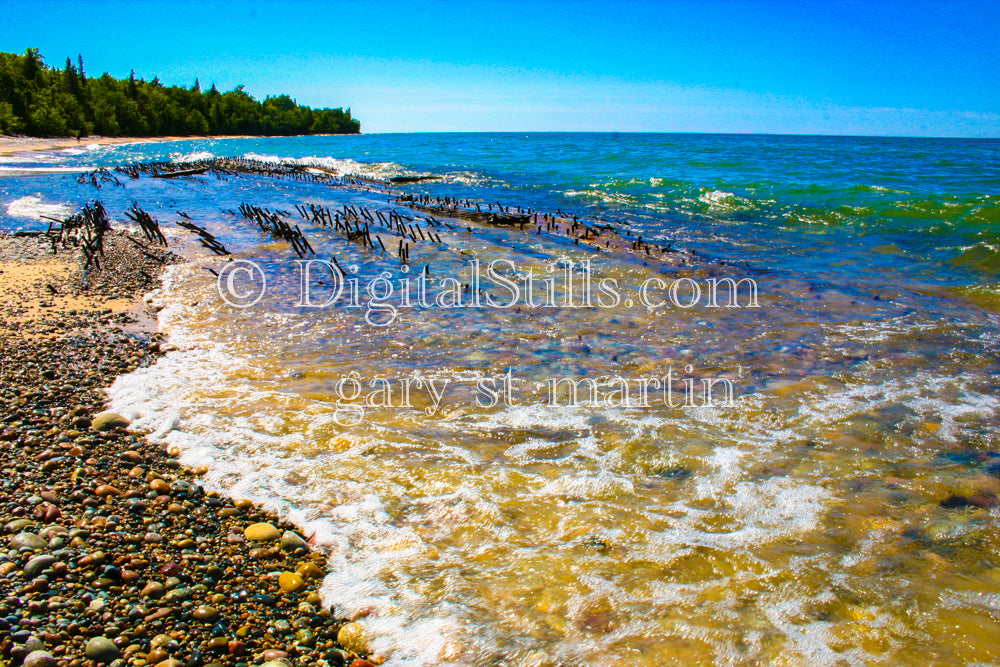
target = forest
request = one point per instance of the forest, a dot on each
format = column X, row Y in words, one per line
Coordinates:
column 42, row 101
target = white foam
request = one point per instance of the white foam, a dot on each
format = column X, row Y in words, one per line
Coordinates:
column 342, row 166
column 194, row 157
column 32, row 207
column 389, row 530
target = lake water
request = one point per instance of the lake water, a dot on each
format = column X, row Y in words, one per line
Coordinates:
column 839, row 509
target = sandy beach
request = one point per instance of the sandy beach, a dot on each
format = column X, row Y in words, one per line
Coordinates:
column 113, row 553
column 18, row 144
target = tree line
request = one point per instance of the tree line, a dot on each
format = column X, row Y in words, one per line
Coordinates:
column 44, row 101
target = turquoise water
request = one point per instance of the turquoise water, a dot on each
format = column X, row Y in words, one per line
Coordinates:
column 802, row 524
column 753, row 197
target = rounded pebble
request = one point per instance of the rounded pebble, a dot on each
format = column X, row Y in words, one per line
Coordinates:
column 102, row 650
column 353, row 637
column 261, row 532
column 39, row 659
column 290, row 582
column 106, row 421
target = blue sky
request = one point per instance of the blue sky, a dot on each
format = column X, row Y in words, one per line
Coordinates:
column 834, row 67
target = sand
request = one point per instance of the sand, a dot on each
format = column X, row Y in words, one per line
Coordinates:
column 17, row 144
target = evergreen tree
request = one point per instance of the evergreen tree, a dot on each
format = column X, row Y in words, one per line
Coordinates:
column 43, row 101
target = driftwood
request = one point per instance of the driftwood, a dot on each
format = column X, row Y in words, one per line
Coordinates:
column 150, row 227
column 182, row 172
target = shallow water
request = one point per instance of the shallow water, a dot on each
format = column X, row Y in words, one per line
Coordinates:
column 803, row 524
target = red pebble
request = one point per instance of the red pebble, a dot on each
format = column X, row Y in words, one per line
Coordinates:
column 171, row 569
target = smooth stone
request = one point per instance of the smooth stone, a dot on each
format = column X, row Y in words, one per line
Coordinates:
column 274, row 654
column 290, row 582
column 18, row 525
column 179, row 594
column 353, row 637
column 36, row 565
column 163, row 640
column 159, row 486
column 132, row 456
column 106, row 421
column 276, row 663
column 156, row 655
column 28, row 541
column 292, row 541
column 152, row 589
column 39, row 659
column 218, row 644
column 205, row 613
column 309, row 570
column 102, row 649
column 261, row 532
column 170, row 662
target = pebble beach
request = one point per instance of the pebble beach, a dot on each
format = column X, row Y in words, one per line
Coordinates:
column 111, row 553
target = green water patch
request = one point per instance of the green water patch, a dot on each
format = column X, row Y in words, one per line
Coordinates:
column 986, row 297
column 983, row 257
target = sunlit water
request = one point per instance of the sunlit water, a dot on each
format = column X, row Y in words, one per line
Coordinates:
column 801, row 525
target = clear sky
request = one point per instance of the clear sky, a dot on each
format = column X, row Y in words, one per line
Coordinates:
column 900, row 67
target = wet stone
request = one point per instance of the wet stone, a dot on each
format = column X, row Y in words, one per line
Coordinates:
column 205, row 613
column 261, row 532
column 37, row 565
column 18, row 525
column 107, row 421
column 292, row 541
column 290, row 582
column 152, row 589
column 28, row 541
column 353, row 637
column 39, row 659
column 102, row 650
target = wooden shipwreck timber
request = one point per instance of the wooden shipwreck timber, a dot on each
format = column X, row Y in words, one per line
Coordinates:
column 407, row 219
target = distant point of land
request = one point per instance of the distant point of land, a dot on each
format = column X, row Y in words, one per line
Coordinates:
column 42, row 101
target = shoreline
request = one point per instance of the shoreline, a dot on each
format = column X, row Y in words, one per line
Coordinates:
column 113, row 554
column 10, row 145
